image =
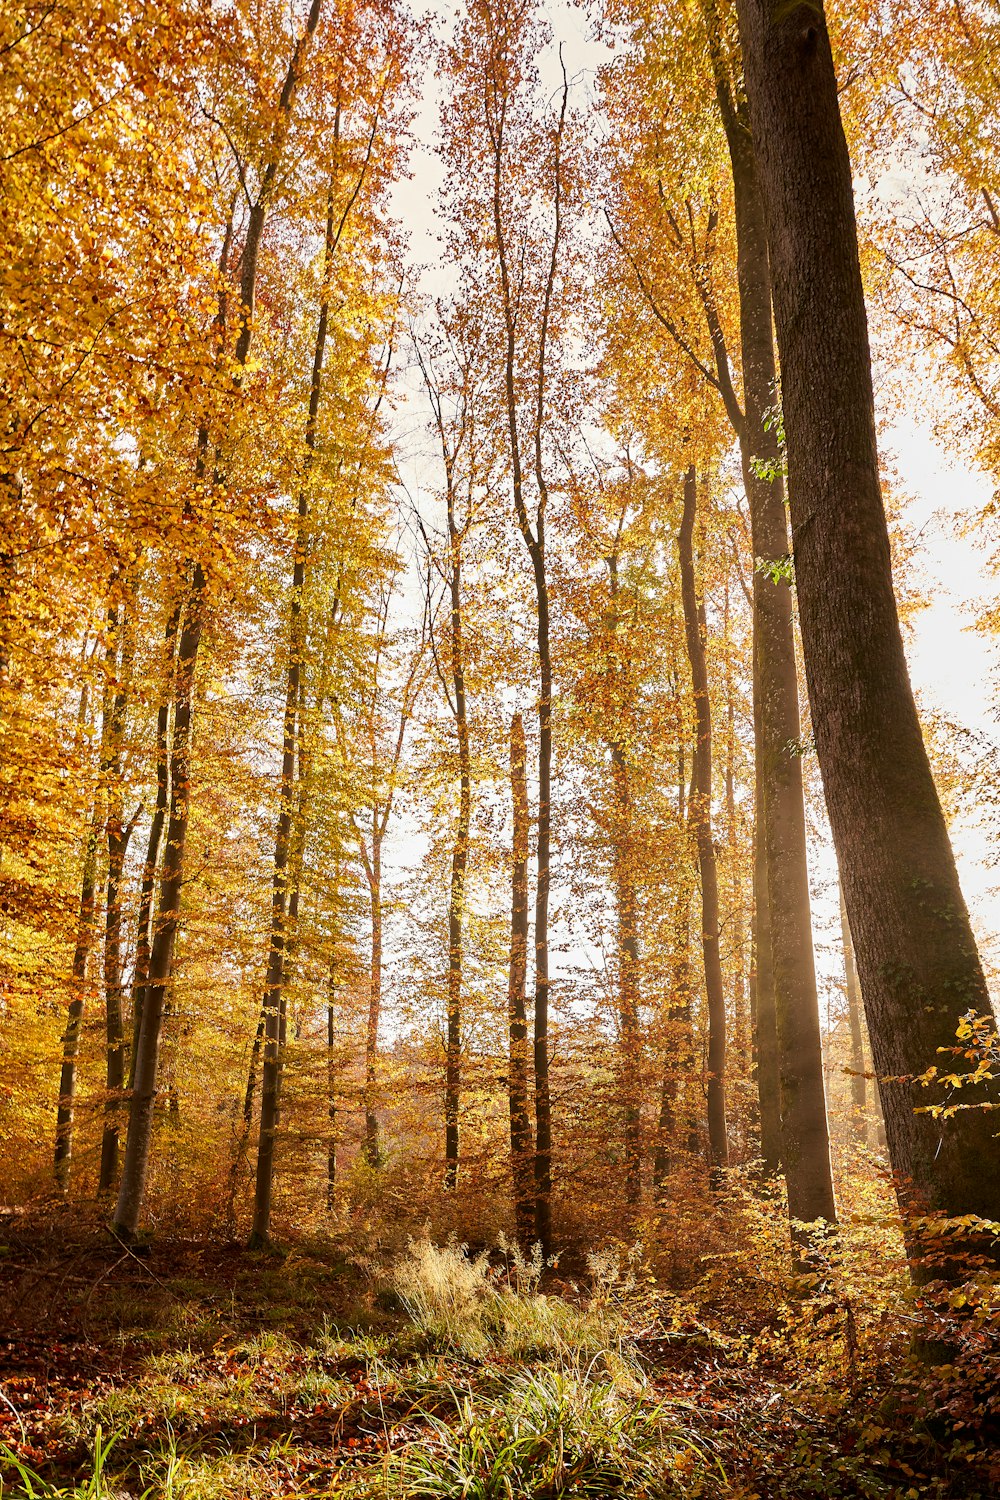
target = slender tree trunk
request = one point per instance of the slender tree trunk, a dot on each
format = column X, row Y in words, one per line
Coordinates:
column 371, row 1146
column 459, row 859
column 143, row 938
column 140, row 1126
column 273, row 1004
column 74, row 1019
column 859, row 1084
column 805, row 1137
column 701, row 817
column 118, row 657
column 331, row 1083
column 520, row 1122
column 765, row 1026
column 737, row 911
column 678, row 1058
column 626, row 904
column 917, row 959
column 534, row 541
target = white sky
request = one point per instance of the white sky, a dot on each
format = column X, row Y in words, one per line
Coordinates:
column 954, row 669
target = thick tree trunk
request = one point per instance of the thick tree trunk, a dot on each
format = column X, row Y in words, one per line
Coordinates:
column 859, row 1084
column 917, row 958
column 520, row 1121
column 701, row 818
column 781, row 812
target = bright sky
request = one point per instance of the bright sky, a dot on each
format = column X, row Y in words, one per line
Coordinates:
column 953, row 668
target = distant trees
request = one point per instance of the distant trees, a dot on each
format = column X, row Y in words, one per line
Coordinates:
column 399, row 702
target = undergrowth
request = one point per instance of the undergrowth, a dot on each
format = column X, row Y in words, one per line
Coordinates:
column 448, row 1375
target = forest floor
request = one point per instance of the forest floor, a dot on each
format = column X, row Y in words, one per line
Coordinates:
column 204, row 1371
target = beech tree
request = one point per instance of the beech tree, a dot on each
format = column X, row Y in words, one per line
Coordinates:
column 917, row 959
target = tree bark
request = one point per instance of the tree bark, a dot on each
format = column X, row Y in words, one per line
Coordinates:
column 331, row 1083
column 118, row 659
column 143, row 939
column 460, row 854
column 271, row 1025
column 371, row 1143
column 917, row 959
column 140, row 1126
column 805, row 1150
column 520, row 1121
column 859, row 1084
column 765, row 1031
column 626, row 904
column 701, row 817
column 74, row 1019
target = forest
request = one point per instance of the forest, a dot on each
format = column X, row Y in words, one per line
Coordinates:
column 488, row 1007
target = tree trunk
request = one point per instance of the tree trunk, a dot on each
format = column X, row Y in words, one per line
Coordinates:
column 626, row 904
column 371, row 1146
column 271, row 1024
column 765, row 1032
column 459, row 859
column 859, row 1084
column 917, row 959
column 143, row 937
column 678, row 1051
column 805, row 1148
column 74, row 1019
column 148, row 1045
column 118, row 659
column 701, row 817
column 520, row 1122
column 331, row 1084
column 140, row 1125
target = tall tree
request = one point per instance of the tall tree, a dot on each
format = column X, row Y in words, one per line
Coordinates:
column 701, row 818
column 140, row 1127
column 917, row 958
column 517, row 1081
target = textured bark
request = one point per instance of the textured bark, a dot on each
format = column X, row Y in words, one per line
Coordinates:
column 805, row 1139
column 520, row 1121
column 917, row 959
column 700, row 812
column 859, row 1084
